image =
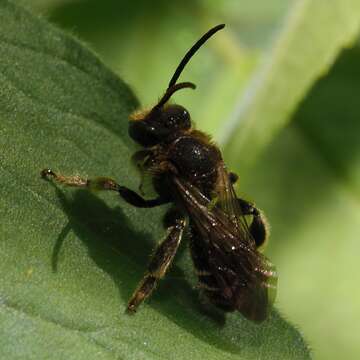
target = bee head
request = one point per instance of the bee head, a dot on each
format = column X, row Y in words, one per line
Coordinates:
column 155, row 126
column 152, row 127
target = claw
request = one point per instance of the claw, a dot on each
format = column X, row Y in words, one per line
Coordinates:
column 46, row 173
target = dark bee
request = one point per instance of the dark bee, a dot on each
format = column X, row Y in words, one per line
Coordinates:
column 188, row 171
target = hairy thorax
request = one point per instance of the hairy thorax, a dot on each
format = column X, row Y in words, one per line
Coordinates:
column 195, row 158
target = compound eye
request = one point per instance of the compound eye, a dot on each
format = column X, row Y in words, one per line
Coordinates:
column 143, row 133
column 176, row 117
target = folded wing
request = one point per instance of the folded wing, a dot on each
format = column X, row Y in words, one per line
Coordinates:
column 237, row 276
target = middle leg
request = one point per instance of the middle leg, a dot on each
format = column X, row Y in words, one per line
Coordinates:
column 259, row 227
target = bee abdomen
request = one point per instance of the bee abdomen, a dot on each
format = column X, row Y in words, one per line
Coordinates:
column 207, row 282
column 219, row 296
column 220, row 301
column 206, row 287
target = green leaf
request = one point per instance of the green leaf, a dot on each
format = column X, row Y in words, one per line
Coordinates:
column 70, row 259
column 314, row 34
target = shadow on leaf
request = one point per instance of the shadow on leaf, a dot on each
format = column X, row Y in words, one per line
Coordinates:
column 114, row 245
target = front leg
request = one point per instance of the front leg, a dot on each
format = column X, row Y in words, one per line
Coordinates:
column 104, row 183
column 160, row 262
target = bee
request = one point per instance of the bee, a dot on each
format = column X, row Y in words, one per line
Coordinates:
column 188, row 171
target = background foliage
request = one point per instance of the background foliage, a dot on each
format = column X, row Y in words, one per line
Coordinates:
column 298, row 160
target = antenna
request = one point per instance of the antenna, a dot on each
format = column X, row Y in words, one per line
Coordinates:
column 170, row 91
column 192, row 51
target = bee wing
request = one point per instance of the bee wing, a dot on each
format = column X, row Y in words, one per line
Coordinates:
column 228, row 202
column 245, row 278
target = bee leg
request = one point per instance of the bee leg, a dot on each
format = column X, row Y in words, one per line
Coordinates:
column 105, row 183
column 160, row 262
column 233, row 178
column 134, row 199
column 259, row 227
column 74, row 181
column 141, row 159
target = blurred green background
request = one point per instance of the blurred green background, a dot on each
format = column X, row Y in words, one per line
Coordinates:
column 306, row 179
